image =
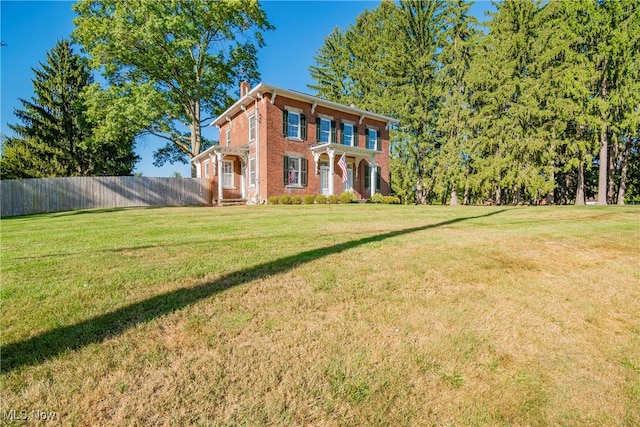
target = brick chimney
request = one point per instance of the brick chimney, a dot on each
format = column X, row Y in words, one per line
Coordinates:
column 245, row 87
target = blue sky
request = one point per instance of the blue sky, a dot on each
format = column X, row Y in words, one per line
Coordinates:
column 31, row 28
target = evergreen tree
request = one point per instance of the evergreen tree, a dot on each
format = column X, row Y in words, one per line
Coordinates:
column 459, row 38
column 55, row 137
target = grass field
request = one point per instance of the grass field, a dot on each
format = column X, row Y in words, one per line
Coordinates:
column 323, row 315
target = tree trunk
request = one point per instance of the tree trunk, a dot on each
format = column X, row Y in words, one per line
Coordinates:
column 611, row 177
column 454, row 195
column 421, row 198
column 498, row 193
column 516, row 195
column 603, row 167
column 196, row 136
column 624, row 171
column 580, row 185
column 604, row 149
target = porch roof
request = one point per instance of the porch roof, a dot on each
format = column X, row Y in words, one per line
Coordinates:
column 341, row 148
column 220, row 149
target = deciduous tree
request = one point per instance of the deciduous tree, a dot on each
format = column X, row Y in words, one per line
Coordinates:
column 172, row 65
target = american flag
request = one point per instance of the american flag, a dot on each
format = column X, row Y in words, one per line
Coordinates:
column 343, row 165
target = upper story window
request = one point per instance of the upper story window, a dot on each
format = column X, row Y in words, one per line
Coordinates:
column 373, row 140
column 252, row 127
column 294, row 125
column 325, row 130
column 349, row 134
column 228, row 137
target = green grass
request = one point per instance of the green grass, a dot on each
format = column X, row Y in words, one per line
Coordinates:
column 323, row 315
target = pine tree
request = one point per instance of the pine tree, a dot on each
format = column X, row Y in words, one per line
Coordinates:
column 459, row 39
column 514, row 154
column 55, row 138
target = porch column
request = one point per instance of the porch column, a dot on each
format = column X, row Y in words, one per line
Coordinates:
column 373, row 175
column 332, row 155
column 220, row 157
column 243, row 171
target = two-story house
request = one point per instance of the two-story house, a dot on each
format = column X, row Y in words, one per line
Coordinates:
column 275, row 141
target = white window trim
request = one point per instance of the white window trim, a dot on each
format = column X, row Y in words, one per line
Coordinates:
column 328, row 141
column 345, row 124
column 369, row 138
column 228, row 137
column 225, row 174
column 299, row 136
column 350, row 168
column 296, row 184
column 205, row 166
column 252, row 117
column 252, row 170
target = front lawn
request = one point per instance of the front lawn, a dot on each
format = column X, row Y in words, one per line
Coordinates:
column 323, row 315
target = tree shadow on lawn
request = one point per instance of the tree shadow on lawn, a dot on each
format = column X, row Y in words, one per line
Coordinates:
column 50, row 344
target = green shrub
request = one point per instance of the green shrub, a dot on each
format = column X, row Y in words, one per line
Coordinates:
column 285, row 199
column 296, row 200
column 321, row 199
column 273, row 200
column 309, row 199
column 347, row 197
column 377, row 198
column 391, row 200
column 333, row 199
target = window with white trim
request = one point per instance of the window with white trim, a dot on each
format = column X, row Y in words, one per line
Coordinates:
column 294, row 125
column 228, row 137
column 205, row 166
column 372, row 139
column 347, row 134
column 252, row 171
column 325, row 130
column 295, row 171
column 252, row 127
column 227, row 173
column 348, row 184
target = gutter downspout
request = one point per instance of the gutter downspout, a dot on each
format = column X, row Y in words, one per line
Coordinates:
column 256, row 195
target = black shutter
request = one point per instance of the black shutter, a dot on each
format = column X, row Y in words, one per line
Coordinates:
column 355, row 136
column 378, row 141
column 285, row 168
column 367, row 176
column 303, row 126
column 342, row 133
column 378, row 173
column 285, row 123
column 303, row 172
column 333, row 132
column 317, row 129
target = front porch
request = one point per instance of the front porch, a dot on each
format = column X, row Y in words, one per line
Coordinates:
column 324, row 156
column 228, row 173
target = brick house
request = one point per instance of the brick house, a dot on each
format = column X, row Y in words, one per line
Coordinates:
column 275, row 141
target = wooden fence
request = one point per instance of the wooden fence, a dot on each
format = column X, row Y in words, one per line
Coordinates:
column 32, row 196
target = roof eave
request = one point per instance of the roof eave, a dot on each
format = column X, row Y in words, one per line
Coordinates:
column 261, row 88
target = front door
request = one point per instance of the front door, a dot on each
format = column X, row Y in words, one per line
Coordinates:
column 324, row 179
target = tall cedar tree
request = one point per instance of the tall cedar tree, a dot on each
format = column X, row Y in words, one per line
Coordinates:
column 172, row 65
column 55, row 139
